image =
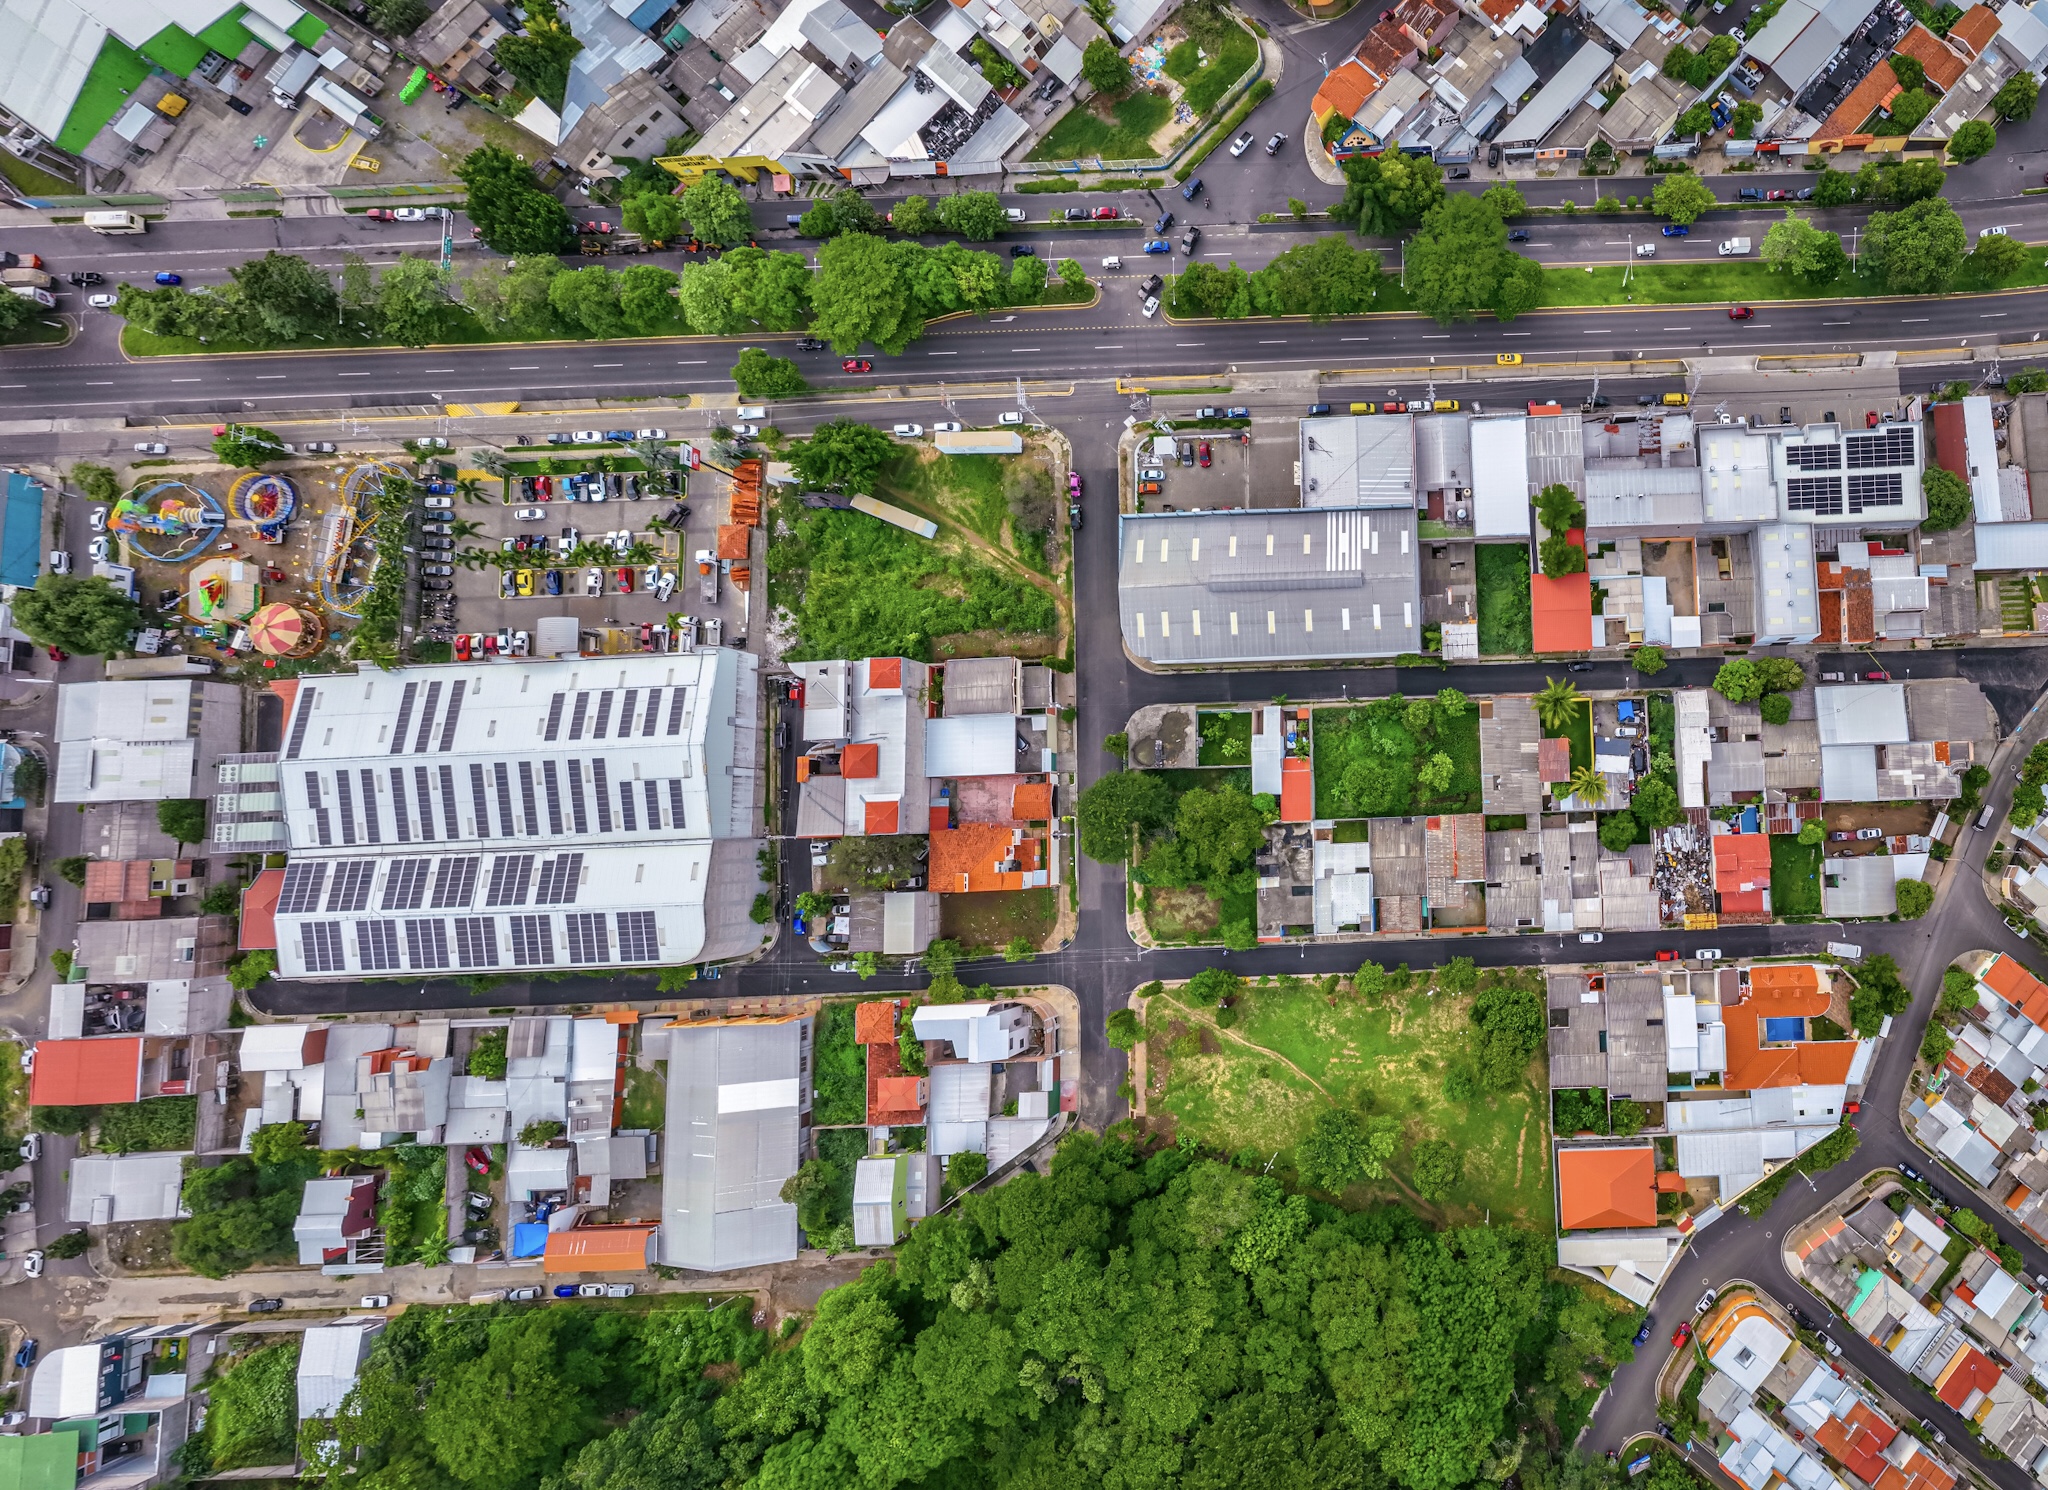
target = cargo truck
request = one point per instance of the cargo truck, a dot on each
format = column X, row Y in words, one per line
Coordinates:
column 707, row 575
column 1733, row 247
column 116, row 222
column 36, row 277
column 41, row 297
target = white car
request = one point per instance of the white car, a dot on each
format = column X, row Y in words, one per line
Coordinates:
column 1706, row 1301
column 151, row 447
column 425, row 442
column 948, row 427
column 32, row 1263
column 100, row 549
column 749, row 431
column 438, row 504
column 652, row 579
column 31, row 1148
column 101, row 302
column 1591, row 937
column 1708, row 954
column 590, row 1291
column 376, row 1301
column 650, row 434
column 28, row 1059
column 60, row 563
column 1151, row 307
column 586, row 436
column 666, row 586
column 618, row 1290
column 409, row 214
column 593, row 581
column 520, row 643
column 531, row 514
column 97, row 519
column 1869, row 833
column 1152, row 473
column 1013, row 417
column 908, row 431
column 1241, row 144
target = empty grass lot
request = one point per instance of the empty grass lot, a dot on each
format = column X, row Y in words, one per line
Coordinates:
column 1505, row 619
column 1226, row 737
column 1295, row 1052
column 1579, row 731
column 1206, row 84
column 1098, row 128
column 1795, row 876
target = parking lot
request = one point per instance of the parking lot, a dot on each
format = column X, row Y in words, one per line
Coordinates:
column 1170, row 475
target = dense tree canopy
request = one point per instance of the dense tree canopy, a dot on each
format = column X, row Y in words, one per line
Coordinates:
column 76, row 613
column 507, row 204
column 1385, row 194
column 717, row 212
column 1125, row 1321
column 1459, row 264
column 1918, row 249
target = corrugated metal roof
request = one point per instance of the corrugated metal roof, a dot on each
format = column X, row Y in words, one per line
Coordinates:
column 721, row 1206
column 1443, row 451
column 1861, row 714
column 1500, row 477
column 1643, row 497
column 1566, row 90
column 1364, row 461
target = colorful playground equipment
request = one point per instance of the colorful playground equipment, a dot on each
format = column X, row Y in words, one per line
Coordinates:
column 342, row 592
column 171, row 521
column 267, row 501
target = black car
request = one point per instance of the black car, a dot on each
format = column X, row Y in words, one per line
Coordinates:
column 437, row 584
column 86, row 277
column 237, row 105
column 1458, row 173
column 1578, row 667
column 265, row 1306
column 1165, row 222
column 1192, row 190
column 561, row 439
column 1316, row 410
column 1190, row 238
column 782, row 735
column 1518, row 235
column 1076, row 214
column 809, row 344
column 1073, row 517
column 1492, row 157
column 1023, row 251
column 1910, row 1172
column 1152, row 285
column 1273, row 145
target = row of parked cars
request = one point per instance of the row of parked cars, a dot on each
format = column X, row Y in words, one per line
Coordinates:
column 598, row 486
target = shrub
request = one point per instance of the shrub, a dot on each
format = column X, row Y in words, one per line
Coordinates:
column 541, row 1132
column 487, row 1057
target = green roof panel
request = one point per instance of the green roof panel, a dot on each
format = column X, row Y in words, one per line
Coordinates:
column 117, row 72
column 174, row 49
column 228, row 35
column 39, row 1461
column 307, row 30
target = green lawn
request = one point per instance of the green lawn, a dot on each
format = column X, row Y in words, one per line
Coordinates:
column 840, row 1070
column 1364, row 769
column 1083, row 133
column 1506, row 623
column 646, row 1102
column 1207, row 85
column 1578, row 730
column 1226, row 737
column 1243, row 1095
column 32, row 182
column 993, row 918
column 1795, row 876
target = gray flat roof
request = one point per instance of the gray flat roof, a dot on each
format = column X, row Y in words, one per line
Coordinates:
column 1269, row 584
column 1364, row 461
column 1643, row 497
column 736, row 1093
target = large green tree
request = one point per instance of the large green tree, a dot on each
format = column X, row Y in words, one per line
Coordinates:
column 860, row 295
column 656, row 216
column 1682, row 196
column 843, row 453
column 284, row 296
column 1948, row 500
column 975, row 215
column 1459, row 263
column 1386, row 194
column 1974, row 140
column 1917, row 249
column 411, row 296
column 718, row 213
column 759, row 375
column 2016, row 97
column 1998, row 257
column 1797, row 247
column 1108, row 810
column 540, row 55
column 1104, row 66
column 507, row 205
column 76, row 613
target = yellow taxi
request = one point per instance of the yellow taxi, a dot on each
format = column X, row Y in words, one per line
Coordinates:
column 1445, row 406
column 1507, row 359
column 523, row 581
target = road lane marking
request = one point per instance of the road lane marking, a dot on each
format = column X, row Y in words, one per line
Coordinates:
column 942, row 354
column 263, row 377
column 440, row 369
column 1109, row 346
column 1281, row 342
column 607, row 364
column 698, row 363
column 1678, row 328
column 1504, row 333
column 1197, row 344
column 1996, row 315
column 1367, row 338
column 354, row 375
column 174, row 380
column 534, row 368
column 1023, row 349
column 1910, row 320
column 1837, row 323
column 108, row 384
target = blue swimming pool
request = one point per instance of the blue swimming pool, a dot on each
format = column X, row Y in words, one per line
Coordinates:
column 1784, row 1029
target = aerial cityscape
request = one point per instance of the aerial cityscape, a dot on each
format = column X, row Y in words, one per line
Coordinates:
column 1204, row 744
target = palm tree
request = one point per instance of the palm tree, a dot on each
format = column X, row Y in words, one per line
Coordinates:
column 1558, row 702
column 464, row 528
column 1589, row 786
column 491, row 460
column 469, row 489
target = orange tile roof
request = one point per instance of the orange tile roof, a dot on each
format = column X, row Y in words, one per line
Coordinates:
column 885, row 672
column 1943, row 67
column 1669, row 1182
column 1830, row 614
column 964, row 859
column 860, row 761
column 1969, row 1370
column 1858, row 1442
column 732, row 540
column 880, row 818
column 1876, row 90
column 1031, row 802
column 1599, row 1188
column 1554, row 759
column 597, row 1249
column 1297, row 790
column 1344, row 91
column 1742, row 864
column 896, row 1094
column 1563, row 612
column 1781, row 991
column 874, row 1022
column 1975, row 30
column 258, row 931
column 85, row 1073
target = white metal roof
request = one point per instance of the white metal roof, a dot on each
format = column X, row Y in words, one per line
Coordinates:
column 1861, row 714
column 1500, row 477
column 1566, row 90
column 970, row 745
column 330, row 1356
column 1980, row 450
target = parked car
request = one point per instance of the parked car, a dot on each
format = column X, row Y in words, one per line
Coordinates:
column 948, row 427
column 524, row 1295
column 1242, row 143
column 1108, row 214
column 586, row 437
column 265, row 1306
column 1840, row 837
column 531, row 514
column 1707, row 954
column 26, row 1356
column 1202, row 453
column 31, row 1148
column 376, row 1301
column 565, row 1290
column 590, row 1290
column 1591, row 937
column 1190, row 238
column 618, row 1290
column 1880, row 676
column 1910, row 1173
column 1150, row 308
column 1273, row 145
column 1667, row 955
column 1237, row 411
column 478, row 1159
column 1866, row 834
column 151, row 447
column 1676, row 230
column 1151, row 285
column 907, row 431
column 1682, row 1334
column 1643, row 1334
column 1706, row 1301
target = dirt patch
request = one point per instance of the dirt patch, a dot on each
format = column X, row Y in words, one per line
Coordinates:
column 991, row 644
column 1178, row 915
column 141, row 1247
column 1889, row 819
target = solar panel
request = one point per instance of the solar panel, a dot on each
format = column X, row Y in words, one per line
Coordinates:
column 1877, row 489
column 300, row 721
column 320, row 947
column 653, row 804
column 508, row 825
column 675, row 711
column 510, row 876
column 399, row 818
column 587, row 941
column 639, row 940
column 526, row 799
column 345, row 798
column 601, row 791
column 675, row 803
column 554, row 716
column 576, row 716
column 604, row 714
column 628, row 816
column 404, row 718
column 450, row 818
column 322, row 828
column 1826, row 457
column 533, row 941
column 1821, row 495
column 300, row 893
column 576, row 796
column 377, row 946
column 479, row 799
column 626, row 706
column 405, row 885
column 427, row 716
column 1890, row 446
column 553, row 784
column 350, row 890
column 426, row 944
column 369, row 784
column 455, row 883
column 559, row 879
column 454, row 713
column 476, row 941
column 653, row 718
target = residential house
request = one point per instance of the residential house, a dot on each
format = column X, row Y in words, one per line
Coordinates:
column 108, row 1189
column 456, row 41
column 862, row 770
column 599, row 1249
column 336, row 1227
column 331, row 1357
column 154, row 949
column 135, row 889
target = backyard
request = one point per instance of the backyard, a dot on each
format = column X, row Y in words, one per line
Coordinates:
column 1795, row 876
column 646, row 1100
column 1506, row 623
column 1397, row 757
column 1191, row 913
column 1226, row 737
column 992, row 919
column 1300, row 1045
column 1578, row 730
column 1208, row 54
column 841, row 1080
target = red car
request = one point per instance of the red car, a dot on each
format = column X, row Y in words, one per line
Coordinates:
column 462, row 646
column 1740, row 312
column 1397, row 407
column 1682, row 1334
column 1780, row 195
column 1877, row 677
column 856, row 364
column 1108, row 214
column 598, row 227
column 625, row 581
column 381, row 214
column 1667, row 955
column 1202, row 452
column 544, row 488
column 478, row 1160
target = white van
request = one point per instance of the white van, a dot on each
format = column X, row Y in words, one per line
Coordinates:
column 753, row 411
column 116, row 222
column 1112, row 262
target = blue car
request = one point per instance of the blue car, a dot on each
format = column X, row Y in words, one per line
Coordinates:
column 565, row 1290
column 1237, row 412
column 624, row 436
column 165, row 277
column 26, row 1356
column 1159, row 246
column 1165, row 222
column 554, row 582
column 1192, row 190
column 1677, row 230
column 1643, row 1334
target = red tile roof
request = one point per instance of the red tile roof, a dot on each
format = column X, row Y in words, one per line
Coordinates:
column 965, row 858
column 885, row 672
column 1563, row 610
column 860, row 760
column 874, row 1022
column 1970, row 1370
column 1032, row 802
column 1344, row 92
column 1974, row 31
column 1942, row 66
column 1876, row 90
column 85, row 1073
column 1599, row 1188
column 1554, row 759
column 258, row 930
column 1784, row 991
column 1742, row 871
column 880, row 818
column 1297, row 790
column 597, row 1249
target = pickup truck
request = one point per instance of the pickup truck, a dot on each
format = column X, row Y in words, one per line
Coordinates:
column 1734, row 247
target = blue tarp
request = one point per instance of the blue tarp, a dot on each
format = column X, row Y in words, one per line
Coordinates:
column 21, row 531
column 647, row 13
column 529, row 1239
